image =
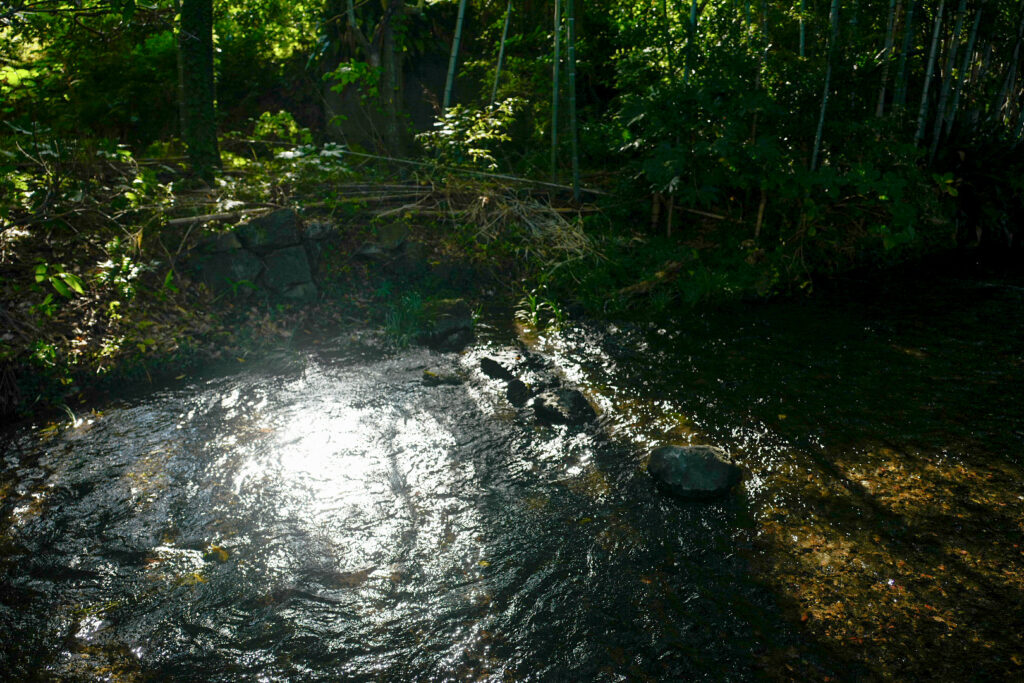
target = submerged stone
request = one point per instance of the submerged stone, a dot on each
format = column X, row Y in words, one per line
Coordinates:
column 693, row 472
column 563, row 406
column 437, row 378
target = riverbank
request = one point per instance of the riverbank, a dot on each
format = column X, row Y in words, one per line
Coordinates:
column 102, row 292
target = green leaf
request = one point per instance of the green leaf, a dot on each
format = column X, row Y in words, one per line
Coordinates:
column 61, row 288
column 73, row 281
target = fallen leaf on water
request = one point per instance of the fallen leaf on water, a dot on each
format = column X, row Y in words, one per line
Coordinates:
column 216, row 554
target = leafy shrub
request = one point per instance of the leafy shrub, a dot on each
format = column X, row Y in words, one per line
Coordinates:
column 473, row 137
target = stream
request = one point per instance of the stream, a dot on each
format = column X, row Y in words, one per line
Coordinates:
column 325, row 515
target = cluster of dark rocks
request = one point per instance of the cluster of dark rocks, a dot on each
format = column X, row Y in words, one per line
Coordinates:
column 275, row 253
column 552, row 403
column 686, row 472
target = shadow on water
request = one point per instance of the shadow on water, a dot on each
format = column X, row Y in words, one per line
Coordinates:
column 882, row 431
column 336, row 519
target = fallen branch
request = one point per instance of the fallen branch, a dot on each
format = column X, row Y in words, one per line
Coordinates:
column 230, row 216
column 708, row 214
column 454, row 169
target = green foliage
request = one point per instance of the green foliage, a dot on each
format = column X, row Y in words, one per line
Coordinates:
column 281, row 127
column 67, row 284
column 474, row 137
column 404, row 318
column 539, row 308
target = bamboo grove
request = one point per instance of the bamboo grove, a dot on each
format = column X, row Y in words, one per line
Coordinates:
column 824, row 123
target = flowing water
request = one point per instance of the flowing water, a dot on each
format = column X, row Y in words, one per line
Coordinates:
column 329, row 516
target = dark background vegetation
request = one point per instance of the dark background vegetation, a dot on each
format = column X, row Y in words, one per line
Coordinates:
column 725, row 149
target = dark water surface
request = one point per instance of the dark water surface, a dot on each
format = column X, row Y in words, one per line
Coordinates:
column 330, row 517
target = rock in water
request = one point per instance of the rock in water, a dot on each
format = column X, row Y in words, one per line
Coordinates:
column 693, row 472
column 517, row 392
column 563, row 406
column 438, row 379
column 495, row 370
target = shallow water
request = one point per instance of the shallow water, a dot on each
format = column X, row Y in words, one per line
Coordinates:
column 326, row 516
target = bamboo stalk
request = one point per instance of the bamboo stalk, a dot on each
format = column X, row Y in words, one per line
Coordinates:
column 834, row 19
column 453, row 58
column 1003, row 102
column 501, row 52
column 573, row 132
column 890, row 39
column 803, row 31
column 900, row 97
column 691, row 43
column 554, row 91
column 922, row 112
column 964, row 71
column 947, row 79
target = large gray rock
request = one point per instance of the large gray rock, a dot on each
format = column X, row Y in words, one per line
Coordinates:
column 285, row 268
column 269, row 233
column 449, row 325
column 229, row 271
column 219, row 243
column 693, row 472
column 563, row 406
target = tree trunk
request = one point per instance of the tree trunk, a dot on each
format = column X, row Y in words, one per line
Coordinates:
column 922, row 112
column 182, row 113
column 834, row 20
column 382, row 53
column 195, row 41
column 391, row 88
